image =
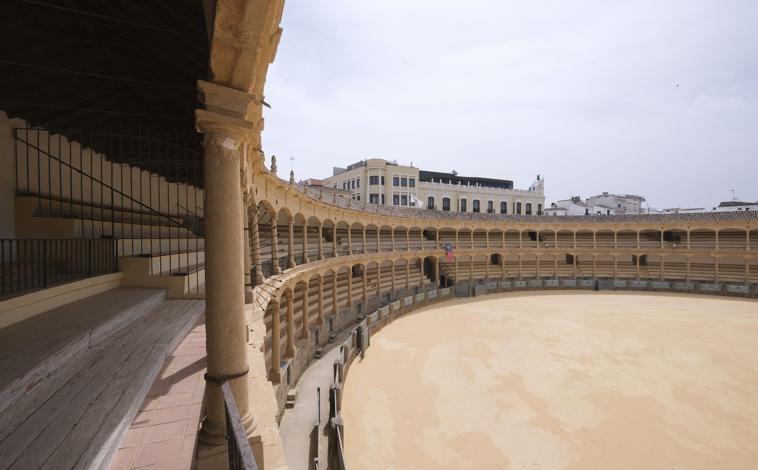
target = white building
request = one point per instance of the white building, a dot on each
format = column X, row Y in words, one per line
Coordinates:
column 736, row 206
column 620, row 203
column 379, row 181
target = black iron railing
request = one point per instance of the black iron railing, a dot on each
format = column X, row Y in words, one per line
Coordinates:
column 31, row 264
column 240, row 452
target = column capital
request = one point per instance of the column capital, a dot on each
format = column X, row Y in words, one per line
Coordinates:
column 225, row 117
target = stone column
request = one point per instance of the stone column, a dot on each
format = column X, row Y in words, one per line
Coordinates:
column 688, row 239
column 574, row 233
column 225, row 131
column 276, row 352
column 334, row 294
column 291, row 243
column 747, row 240
column 717, row 239
column 456, row 239
column 638, row 240
column 747, row 270
column 594, row 240
column 378, row 240
column 615, row 266
column 407, row 274
column 472, row 239
column 688, row 269
column 365, row 281
column 661, row 232
column 502, row 266
column 574, row 264
column 248, row 258
column 487, row 238
column 393, row 277
column 275, row 246
column 594, row 266
column 334, row 240
column 456, row 270
column 638, row 264
column 393, row 239
column 290, row 353
column 304, row 333
column 320, row 241
column 520, row 245
column 407, row 239
column 321, row 301
column 349, row 287
column 363, row 239
column 306, row 259
column 378, row 281
column 349, row 240
column 716, row 269
column 662, row 268
column 255, row 246
column 615, row 240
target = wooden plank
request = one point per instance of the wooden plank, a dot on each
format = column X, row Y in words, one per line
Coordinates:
column 32, row 443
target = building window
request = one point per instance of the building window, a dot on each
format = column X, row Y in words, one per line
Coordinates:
column 352, row 183
column 430, row 202
column 373, row 180
column 395, row 181
column 344, row 185
column 518, row 208
column 445, row 203
column 373, row 198
column 503, row 207
column 382, row 199
column 358, row 183
column 404, row 182
column 412, row 182
column 382, row 180
column 528, row 208
column 358, row 197
column 404, row 200
column 490, row 207
column 475, row 205
column 395, row 199
column 463, row 205
column 539, row 209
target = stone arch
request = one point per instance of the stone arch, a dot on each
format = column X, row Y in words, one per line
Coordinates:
column 464, row 238
column 731, row 268
column 702, row 268
column 356, row 238
column 732, row 239
column 495, row 237
column 547, row 265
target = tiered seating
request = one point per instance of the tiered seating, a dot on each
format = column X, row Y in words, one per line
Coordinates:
column 98, row 358
column 732, row 240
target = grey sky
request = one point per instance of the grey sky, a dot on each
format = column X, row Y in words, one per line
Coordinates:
column 583, row 92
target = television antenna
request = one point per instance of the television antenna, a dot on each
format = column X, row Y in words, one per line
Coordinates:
column 734, row 195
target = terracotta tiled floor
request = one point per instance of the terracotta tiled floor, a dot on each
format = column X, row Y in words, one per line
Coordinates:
column 164, row 432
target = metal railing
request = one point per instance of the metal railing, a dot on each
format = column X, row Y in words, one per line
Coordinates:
column 240, row 452
column 31, row 264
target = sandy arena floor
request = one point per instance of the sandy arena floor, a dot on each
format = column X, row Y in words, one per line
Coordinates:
column 565, row 381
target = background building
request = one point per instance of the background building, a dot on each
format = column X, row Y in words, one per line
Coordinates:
column 736, row 206
column 603, row 204
column 379, row 181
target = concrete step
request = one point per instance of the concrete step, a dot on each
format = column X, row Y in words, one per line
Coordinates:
column 80, row 419
column 147, row 246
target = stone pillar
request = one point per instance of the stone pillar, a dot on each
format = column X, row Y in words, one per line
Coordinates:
column 365, row 281
column 255, row 246
column 393, row 277
column 290, row 353
column 574, row 264
column 519, row 266
column 615, row 240
column 378, row 281
column 638, row 262
column 276, row 352
column 291, row 244
column 407, row 274
column 393, row 239
column 472, row 239
column 662, row 275
column 520, row 245
column 502, row 266
column 457, row 243
column 615, row 266
column 747, row 240
column 378, row 240
column 574, row 233
column 594, row 240
column 349, row 287
column 248, row 258
column 638, row 240
column 407, row 239
column 688, row 268
column 321, row 301
column 487, row 238
column 275, row 247
column 661, row 232
column 363, row 239
column 349, row 240
column 456, row 270
column 747, row 270
column 334, row 240
column 716, row 269
column 304, row 332
column 688, row 239
column 306, row 259
column 717, row 239
column 320, row 241
column 334, row 294
column 225, row 131
column 594, row 266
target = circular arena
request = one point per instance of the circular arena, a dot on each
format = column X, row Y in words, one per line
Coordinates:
column 559, row 380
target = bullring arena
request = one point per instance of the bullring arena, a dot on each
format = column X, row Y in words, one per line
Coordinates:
column 168, row 298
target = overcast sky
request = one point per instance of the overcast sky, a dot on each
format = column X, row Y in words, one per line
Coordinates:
column 657, row 98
